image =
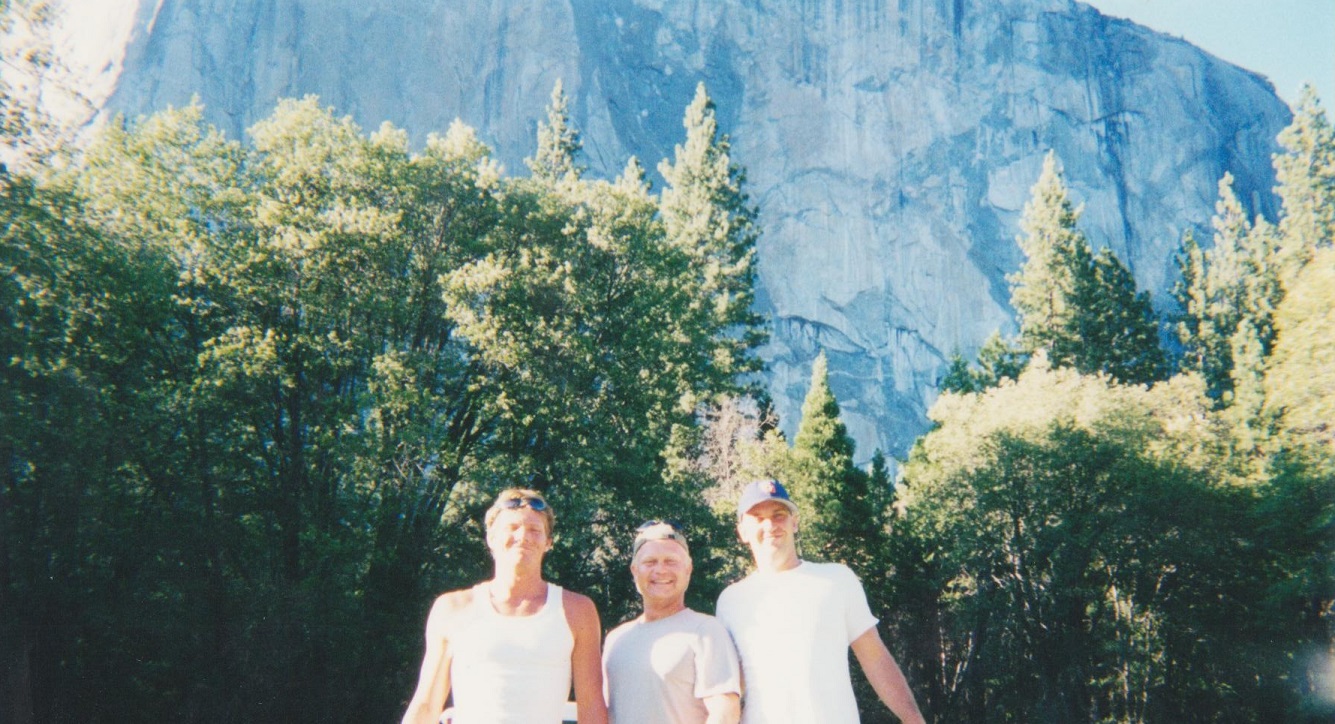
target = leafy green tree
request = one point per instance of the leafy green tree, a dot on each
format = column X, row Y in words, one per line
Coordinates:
column 80, row 334
column 339, row 350
column 1070, row 587
column 584, row 313
column 1300, row 380
column 31, row 137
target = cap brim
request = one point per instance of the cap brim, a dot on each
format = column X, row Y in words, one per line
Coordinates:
column 790, row 505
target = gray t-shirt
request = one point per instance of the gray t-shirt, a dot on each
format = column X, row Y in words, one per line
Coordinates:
column 659, row 672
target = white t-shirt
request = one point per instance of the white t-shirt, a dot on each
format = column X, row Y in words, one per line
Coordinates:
column 792, row 630
column 510, row 669
column 659, row 672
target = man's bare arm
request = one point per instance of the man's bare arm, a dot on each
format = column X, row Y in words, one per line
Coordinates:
column 886, row 677
column 433, row 683
column 723, row 709
column 586, row 666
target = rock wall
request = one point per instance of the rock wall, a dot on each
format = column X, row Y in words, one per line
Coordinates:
column 890, row 144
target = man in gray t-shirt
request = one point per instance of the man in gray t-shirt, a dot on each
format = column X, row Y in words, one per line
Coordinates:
column 671, row 665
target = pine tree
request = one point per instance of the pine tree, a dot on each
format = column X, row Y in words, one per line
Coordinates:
column 1306, row 176
column 1248, row 398
column 998, row 359
column 1117, row 325
column 706, row 213
column 1235, row 283
column 1082, row 309
column 1044, row 291
column 959, row 377
column 1192, row 299
column 558, row 142
column 881, row 490
column 841, row 519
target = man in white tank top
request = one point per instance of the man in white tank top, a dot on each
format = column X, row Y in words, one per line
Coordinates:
column 794, row 621
column 671, row 665
column 509, row 648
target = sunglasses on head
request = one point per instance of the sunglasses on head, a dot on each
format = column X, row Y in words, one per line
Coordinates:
column 646, row 525
column 654, row 530
column 535, row 504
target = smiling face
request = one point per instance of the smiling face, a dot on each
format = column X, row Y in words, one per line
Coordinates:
column 769, row 528
column 517, row 534
column 662, row 571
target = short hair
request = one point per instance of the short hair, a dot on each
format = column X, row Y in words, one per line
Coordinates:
column 546, row 512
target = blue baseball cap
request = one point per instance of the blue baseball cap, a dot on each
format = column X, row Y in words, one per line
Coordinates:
column 759, row 491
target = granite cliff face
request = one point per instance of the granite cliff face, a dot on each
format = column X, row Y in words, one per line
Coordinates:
column 890, row 144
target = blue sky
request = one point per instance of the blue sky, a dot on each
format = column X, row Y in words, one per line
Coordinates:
column 1288, row 41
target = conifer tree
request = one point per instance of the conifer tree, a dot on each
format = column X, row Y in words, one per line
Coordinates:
column 959, row 377
column 1192, row 299
column 1306, row 176
column 1248, row 398
column 1044, row 291
column 841, row 517
column 1000, row 359
column 558, row 142
column 1235, row 283
column 706, row 213
column 1083, row 309
column 1116, row 324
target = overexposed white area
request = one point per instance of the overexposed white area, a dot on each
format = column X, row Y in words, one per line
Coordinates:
column 91, row 36
column 1291, row 42
column 87, row 42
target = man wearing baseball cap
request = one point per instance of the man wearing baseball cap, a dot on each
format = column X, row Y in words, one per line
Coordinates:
column 793, row 622
column 671, row 665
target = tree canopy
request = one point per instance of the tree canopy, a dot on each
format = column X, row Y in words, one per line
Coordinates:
column 258, row 393
column 255, row 394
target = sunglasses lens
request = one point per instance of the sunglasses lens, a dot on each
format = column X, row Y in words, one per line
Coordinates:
column 537, row 504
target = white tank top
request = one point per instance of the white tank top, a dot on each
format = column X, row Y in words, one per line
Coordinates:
column 510, row 669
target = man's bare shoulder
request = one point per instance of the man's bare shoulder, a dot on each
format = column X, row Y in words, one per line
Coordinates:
column 578, row 600
column 448, row 607
column 454, row 600
column 578, row 607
